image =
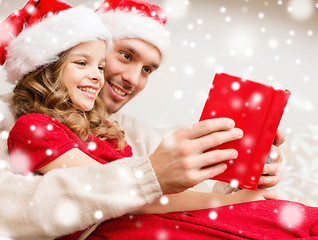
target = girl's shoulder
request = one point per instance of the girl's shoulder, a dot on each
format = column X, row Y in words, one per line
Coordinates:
column 35, row 117
column 38, row 120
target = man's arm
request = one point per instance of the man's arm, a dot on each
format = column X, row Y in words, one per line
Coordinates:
column 144, row 140
column 67, row 200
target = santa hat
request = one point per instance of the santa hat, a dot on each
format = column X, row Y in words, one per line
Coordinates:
column 135, row 19
column 36, row 34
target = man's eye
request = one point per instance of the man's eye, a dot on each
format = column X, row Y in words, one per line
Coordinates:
column 147, row 69
column 126, row 55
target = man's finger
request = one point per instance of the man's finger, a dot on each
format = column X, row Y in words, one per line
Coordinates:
column 208, row 126
column 215, row 157
column 211, row 172
column 275, row 155
column 217, row 138
column 279, row 138
column 272, row 169
column 268, row 181
column 270, row 195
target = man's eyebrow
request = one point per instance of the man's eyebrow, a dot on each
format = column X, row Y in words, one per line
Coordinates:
column 155, row 66
column 135, row 52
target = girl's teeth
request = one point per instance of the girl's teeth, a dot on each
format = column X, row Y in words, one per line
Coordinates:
column 90, row 90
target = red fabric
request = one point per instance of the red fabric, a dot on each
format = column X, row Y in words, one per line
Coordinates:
column 256, row 109
column 41, row 139
column 270, row 219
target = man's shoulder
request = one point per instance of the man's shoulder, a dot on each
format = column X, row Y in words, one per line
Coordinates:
column 6, row 111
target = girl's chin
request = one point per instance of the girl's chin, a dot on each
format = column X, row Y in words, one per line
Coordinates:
column 85, row 108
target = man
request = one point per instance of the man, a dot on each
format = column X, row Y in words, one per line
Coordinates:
column 140, row 41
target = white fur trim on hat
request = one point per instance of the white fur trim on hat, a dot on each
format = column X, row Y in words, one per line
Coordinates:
column 41, row 43
column 135, row 25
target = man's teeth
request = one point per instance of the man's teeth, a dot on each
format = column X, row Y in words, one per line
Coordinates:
column 118, row 91
column 88, row 89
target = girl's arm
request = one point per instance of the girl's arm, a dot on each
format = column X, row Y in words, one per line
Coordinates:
column 192, row 200
column 72, row 158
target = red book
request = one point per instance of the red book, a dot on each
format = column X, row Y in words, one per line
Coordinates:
column 256, row 109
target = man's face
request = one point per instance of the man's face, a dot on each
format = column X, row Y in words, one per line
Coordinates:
column 128, row 66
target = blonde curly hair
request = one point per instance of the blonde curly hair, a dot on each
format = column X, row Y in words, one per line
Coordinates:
column 42, row 91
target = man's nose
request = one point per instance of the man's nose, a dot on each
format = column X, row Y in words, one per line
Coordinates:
column 132, row 76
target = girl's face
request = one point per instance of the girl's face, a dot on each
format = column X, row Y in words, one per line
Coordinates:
column 83, row 73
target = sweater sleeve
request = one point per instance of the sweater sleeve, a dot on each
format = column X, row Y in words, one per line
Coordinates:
column 67, row 200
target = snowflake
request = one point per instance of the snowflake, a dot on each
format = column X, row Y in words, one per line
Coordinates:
column 223, row 9
column 98, row 214
column 164, row 200
column 67, row 213
column 3, row 164
column 139, row 174
column 261, row 15
column 291, row 215
column 273, row 43
column 49, row 152
column 176, row 8
column 235, row 86
column 92, row 146
column 301, row 9
column 178, row 94
column 88, row 187
column 20, row 162
column 234, row 183
column 213, row 215
column 162, row 235
column 188, row 70
column 4, row 135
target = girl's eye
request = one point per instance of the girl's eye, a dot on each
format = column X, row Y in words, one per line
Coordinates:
column 81, row 63
column 101, row 68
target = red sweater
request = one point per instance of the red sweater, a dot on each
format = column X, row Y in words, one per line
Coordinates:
column 36, row 140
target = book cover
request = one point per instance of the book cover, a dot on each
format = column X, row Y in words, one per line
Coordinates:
column 257, row 109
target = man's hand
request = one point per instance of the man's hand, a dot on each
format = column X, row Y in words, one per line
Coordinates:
column 180, row 160
column 272, row 170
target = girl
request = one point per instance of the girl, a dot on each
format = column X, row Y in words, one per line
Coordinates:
column 60, row 118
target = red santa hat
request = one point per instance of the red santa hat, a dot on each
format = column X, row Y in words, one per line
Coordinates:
column 36, row 34
column 135, row 19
